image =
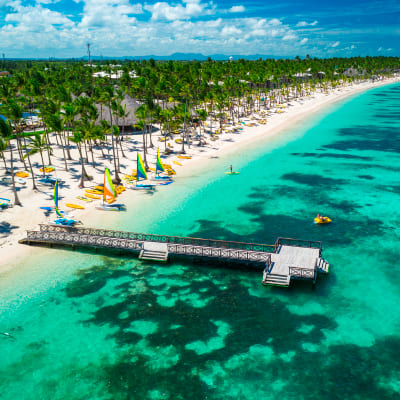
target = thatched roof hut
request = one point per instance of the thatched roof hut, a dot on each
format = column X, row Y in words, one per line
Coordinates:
column 130, row 104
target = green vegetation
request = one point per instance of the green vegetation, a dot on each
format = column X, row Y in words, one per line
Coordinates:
column 178, row 97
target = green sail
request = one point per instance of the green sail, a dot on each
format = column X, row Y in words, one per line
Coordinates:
column 141, row 171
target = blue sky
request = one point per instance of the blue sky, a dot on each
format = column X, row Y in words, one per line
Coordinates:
column 61, row 28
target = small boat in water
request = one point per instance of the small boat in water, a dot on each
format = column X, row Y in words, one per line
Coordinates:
column 319, row 219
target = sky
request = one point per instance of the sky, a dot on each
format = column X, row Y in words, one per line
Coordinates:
column 62, row 28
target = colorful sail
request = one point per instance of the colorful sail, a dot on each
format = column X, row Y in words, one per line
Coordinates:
column 141, row 170
column 56, row 200
column 159, row 165
column 109, row 192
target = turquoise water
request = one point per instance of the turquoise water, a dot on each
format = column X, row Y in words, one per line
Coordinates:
column 90, row 326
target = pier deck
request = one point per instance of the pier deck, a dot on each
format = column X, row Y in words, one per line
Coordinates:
column 285, row 260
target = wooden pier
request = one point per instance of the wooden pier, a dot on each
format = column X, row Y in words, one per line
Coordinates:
column 285, row 260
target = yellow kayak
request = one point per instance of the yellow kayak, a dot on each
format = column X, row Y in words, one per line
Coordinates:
column 177, row 163
column 92, row 196
column 22, row 174
column 100, row 188
column 47, row 169
column 77, row 206
column 322, row 220
column 92, row 191
column 84, row 198
column 185, row 157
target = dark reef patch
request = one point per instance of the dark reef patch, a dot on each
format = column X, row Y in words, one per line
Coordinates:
column 314, row 180
column 378, row 138
column 333, row 155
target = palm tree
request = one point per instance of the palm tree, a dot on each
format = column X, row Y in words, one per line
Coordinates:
column 142, row 115
column 78, row 138
column 108, row 94
column 38, row 145
column 6, row 133
column 13, row 111
column 3, row 148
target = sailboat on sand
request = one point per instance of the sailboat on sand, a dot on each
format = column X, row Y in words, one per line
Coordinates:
column 141, row 174
column 62, row 216
column 109, row 195
column 159, row 169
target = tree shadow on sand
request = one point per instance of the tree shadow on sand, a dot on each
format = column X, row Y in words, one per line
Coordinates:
column 6, row 228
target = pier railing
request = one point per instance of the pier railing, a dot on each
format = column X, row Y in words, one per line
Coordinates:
column 228, row 254
column 298, row 243
column 71, row 238
column 159, row 238
column 302, row 273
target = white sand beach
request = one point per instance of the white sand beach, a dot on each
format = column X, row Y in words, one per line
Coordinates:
column 15, row 221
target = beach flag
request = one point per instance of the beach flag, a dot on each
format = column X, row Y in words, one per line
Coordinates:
column 56, row 200
column 141, row 170
column 159, row 166
column 109, row 192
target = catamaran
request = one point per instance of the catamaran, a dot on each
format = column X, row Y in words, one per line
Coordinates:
column 141, row 174
column 5, row 203
column 159, row 169
column 109, row 195
column 62, row 217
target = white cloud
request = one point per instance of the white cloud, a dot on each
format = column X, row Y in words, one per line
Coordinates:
column 383, row 49
column 290, row 36
column 303, row 41
column 230, row 31
column 186, row 10
column 47, row 1
column 336, row 44
column 304, row 23
column 237, row 9
column 100, row 13
column 112, row 29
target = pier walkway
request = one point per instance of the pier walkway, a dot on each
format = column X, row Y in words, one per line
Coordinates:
column 285, row 260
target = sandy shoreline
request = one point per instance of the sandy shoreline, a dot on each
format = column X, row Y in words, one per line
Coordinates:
column 15, row 221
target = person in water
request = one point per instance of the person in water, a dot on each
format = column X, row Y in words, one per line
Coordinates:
column 231, row 168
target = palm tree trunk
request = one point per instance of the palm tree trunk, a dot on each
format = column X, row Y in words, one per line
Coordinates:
column 113, row 147
column 83, row 172
column 16, row 199
column 64, row 155
column 33, row 175
column 41, row 156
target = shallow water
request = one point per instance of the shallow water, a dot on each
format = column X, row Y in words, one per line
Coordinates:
column 92, row 326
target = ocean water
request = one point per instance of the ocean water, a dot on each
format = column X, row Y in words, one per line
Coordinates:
column 93, row 326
